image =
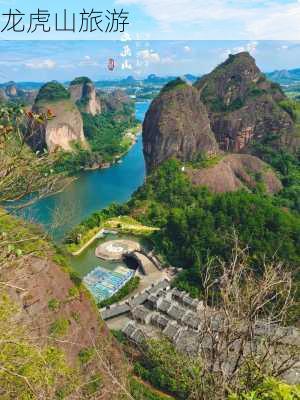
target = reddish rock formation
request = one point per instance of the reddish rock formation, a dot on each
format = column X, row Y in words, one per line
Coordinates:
column 176, row 125
column 83, row 93
column 234, row 172
column 242, row 104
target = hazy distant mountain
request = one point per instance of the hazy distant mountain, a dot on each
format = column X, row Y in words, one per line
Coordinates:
column 23, row 85
column 284, row 76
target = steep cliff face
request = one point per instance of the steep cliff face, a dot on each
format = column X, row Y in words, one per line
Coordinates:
column 83, row 93
column 236, row 171
column 176, row 125
column 65, row 128
column 3, row 96
column 118, row 103
column 242, row 104
column 11, row 89
column 51, row 312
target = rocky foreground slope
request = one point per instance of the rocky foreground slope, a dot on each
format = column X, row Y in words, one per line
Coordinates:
column 225, row 111
column 53, row 321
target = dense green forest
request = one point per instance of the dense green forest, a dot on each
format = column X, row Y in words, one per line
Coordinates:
column 196, row 224
column 105, row 135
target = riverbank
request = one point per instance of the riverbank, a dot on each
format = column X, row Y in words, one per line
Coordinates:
column 121, row 224
column 129, row 140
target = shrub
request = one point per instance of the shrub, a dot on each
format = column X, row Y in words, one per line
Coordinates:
column 270, row 389
column 86, row 355
column 53, row 304
column 59, row 327
column 52, row 91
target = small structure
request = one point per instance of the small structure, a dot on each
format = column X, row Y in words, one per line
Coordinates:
column 129, row 329
column 188, row 342
column 178, row 295
column 191, row 303
column 142, row 314
column 191, row 320
column 163, row 304
column 153, row 300
column 159, row 320
column 114, row 250
column 114, row 311
column 134, row 333
column 176, row 312
column 172, row 330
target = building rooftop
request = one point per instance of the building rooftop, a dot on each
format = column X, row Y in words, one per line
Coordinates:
column 188, row 342
column 159, row 320
column 192, row 320
column 129, row 328
column 141, row 313
column 163, row 304
column 172, row 330
column 176, row 312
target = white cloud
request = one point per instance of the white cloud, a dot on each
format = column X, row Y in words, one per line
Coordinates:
column 187, row 49
column 272, row 19
column 167, row 60
column 169, row 11
column 251, row 47
column 88, row 62
column 148, row 57
column 282, row 23
column 41, row 64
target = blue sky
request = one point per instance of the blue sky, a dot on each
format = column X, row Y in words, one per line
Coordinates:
column 64, row 60
column 181, row 19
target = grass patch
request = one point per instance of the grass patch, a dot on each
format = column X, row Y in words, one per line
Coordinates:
column 59, row 327
column 203, row 161
column 54, row 304
column 86, row 355
column 84, row 238
column 143, row 391
column 126, row 224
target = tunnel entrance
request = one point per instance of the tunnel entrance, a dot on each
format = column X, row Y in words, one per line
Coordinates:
column 131, row 262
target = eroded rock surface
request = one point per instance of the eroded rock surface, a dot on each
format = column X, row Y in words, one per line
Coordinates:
column 176, row 125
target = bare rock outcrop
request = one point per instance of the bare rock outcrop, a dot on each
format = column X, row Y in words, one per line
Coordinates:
column 83, row 93
column 176, row 125
column 243, row 105
column 65, row 128
column 236, row 171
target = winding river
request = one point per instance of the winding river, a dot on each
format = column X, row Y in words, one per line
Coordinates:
column 91, row 191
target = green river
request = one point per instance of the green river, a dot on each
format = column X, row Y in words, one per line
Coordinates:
column 91, row 191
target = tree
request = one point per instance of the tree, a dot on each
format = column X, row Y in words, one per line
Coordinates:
column 23, row 174
column 244, row 334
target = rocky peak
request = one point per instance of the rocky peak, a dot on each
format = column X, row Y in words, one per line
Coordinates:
column 11, row 89
column 65, row 128
column 176, row 125
column 227, row 85
column 242, row 104
column 83, row 93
